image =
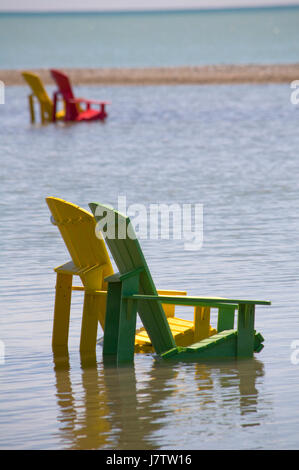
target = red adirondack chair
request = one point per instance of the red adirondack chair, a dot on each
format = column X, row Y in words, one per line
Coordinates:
column 73, row 108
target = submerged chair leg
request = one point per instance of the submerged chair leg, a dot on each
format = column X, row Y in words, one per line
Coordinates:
column 89, row 328
column 62, row 312
column 245, row 344
column 120, row 323
column 111, row 331
column 42, row 113
column 31, row 108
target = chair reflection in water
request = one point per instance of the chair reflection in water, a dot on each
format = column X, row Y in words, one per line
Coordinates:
column 125, row 408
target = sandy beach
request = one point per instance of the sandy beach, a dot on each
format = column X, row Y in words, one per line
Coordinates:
column 211, row 74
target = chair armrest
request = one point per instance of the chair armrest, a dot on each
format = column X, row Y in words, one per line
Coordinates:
column 179, row 300
column 188, row 300
column 83, row 100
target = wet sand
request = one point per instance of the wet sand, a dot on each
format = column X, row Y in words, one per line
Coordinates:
column 212, row 74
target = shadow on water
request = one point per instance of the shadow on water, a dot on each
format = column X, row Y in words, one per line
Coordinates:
column 115, row 408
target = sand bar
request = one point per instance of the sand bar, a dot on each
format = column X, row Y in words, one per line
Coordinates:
column 211, row 74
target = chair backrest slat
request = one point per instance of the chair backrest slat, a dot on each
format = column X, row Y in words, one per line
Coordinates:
column 77, row 228
column 65, row 88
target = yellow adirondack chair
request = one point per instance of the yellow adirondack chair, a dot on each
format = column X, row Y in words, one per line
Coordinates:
column 39, row 92
column 91, row 262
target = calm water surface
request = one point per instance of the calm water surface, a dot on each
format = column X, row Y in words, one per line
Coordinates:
column 232, row 148
column 149, row 39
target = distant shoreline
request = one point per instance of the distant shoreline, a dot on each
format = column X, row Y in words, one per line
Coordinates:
column 197, row 75
column 140, row 11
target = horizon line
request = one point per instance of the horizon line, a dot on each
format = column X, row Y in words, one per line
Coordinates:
column 149, row 10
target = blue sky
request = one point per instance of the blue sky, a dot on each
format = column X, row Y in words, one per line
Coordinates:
column 104, row 5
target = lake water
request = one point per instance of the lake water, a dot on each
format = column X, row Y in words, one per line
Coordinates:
column 149, row 39
column 233, row 149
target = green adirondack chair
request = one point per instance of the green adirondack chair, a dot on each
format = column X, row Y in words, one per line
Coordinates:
column 132, row 289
